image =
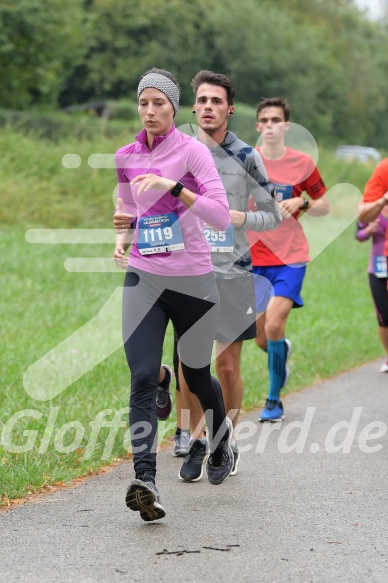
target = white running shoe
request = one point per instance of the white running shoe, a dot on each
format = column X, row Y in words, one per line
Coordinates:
column 384, row 367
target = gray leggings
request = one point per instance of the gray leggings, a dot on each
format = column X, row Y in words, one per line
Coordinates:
column 149, row 302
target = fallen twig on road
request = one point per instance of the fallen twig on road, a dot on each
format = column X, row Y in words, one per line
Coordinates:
column 178, row 553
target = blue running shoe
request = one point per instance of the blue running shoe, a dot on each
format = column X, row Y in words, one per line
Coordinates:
column 286, row 366
column 273, row 411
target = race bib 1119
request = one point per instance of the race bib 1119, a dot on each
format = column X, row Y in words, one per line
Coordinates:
column 159, row 234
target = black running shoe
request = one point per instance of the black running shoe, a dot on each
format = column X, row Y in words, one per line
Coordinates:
column 163, row 396
column 144, row 497
column 192, row 467
column 220, row 462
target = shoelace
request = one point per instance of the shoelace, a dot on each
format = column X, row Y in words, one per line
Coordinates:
column 146, row 478
column 271, row 404
column 183, row 437
column 195, row 454
column 162, row 397
column 220, row 457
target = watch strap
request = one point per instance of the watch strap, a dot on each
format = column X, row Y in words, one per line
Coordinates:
column 177, row 189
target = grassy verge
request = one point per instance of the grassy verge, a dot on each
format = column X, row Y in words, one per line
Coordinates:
column 43, row 304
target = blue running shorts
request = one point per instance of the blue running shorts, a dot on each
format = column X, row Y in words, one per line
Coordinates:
column 278, row 280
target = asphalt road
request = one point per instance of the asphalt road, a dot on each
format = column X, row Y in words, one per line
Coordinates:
column 317, row 513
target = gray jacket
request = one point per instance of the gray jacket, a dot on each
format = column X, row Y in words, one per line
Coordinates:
column 243, row 174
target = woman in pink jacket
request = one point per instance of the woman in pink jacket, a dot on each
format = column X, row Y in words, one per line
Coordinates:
column 377, row 272
column 169, row 185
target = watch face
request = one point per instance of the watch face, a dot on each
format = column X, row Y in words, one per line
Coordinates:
column 177, row 189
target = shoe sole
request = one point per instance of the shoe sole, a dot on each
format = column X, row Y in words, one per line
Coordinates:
column 180, row 453
column 272, row 420
column 163, row 417
column 199, row 477
column 234, row 469
column 142, row 499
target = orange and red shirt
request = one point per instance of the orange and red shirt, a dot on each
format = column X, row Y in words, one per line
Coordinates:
column 287, row 244
column 376, row 187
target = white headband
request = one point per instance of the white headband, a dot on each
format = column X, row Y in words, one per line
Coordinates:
column 164, row 84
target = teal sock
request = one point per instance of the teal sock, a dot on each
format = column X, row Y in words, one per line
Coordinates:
column 276, row 367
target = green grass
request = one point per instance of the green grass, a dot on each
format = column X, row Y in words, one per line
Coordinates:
column 38, row 190
column 336, row 329
column 43, row 304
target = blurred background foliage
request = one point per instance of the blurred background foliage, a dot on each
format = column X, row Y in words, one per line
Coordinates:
column 325, row 56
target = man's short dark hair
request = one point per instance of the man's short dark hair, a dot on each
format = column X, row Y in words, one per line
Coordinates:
column 275, row 102
column 214, row 79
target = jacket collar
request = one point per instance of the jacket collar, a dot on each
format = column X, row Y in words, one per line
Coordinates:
column 142, row 138
column 230, row 137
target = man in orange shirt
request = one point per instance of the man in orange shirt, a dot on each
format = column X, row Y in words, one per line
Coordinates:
column 279, row 258
column 375, row 196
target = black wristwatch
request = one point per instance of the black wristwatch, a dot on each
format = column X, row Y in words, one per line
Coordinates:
column 305, row 205
column 177, row 189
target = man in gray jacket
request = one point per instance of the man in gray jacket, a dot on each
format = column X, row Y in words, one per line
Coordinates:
column 243, row 174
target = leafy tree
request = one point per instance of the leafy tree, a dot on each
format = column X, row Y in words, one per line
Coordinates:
column 325, row 56
column 129, row 38
column 322, row 56
column 41, row 41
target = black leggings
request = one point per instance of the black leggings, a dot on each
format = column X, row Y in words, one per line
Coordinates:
column 176, row 362
column 378, row 287
column 149, row 302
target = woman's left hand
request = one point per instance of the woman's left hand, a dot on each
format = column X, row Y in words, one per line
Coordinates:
column 152, row 182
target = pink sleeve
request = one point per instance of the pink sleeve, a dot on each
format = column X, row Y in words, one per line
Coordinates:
column 361, row 233
column 211, row 205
